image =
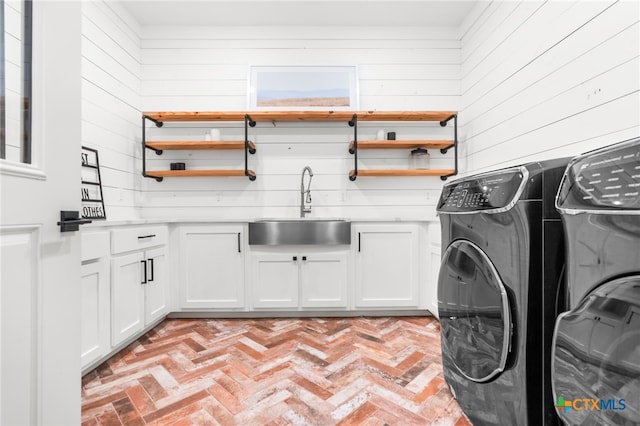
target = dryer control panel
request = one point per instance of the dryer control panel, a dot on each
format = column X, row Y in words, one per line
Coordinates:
column 496, row 191
column 606, row 179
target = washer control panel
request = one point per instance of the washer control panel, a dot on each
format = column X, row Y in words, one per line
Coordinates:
column 481, row 193
column 607, row 179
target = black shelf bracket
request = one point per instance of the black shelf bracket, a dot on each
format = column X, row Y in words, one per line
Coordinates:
column 455, row 145
column 145, row 147
column 354, row 149
column 444, row 122
column 248, row 122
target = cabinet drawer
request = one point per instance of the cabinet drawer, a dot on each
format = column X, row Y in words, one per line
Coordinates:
column 94, row 245
column 138, row 238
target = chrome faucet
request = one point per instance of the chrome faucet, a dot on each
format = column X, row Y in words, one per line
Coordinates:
column 305, row 208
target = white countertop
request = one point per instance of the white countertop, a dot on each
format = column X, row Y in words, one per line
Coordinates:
column 163, row 221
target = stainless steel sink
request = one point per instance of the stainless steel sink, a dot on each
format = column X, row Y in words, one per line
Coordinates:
column 274, row 232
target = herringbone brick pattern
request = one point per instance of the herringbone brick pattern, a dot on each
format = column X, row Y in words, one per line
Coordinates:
column 340, row 371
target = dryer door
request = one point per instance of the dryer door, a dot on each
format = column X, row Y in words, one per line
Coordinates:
column 474, row 312
column 596, row 357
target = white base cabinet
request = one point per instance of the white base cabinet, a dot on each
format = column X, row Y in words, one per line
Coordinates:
column 127, row 297
column 156, row 289
column 275, row 280
column 139, row 280
column 387, row 268
column 299, row 279
column 95, row 302
column 212, row 266
column 94, row 311
column 434, row 252
column 126, row 288
column 323, row 280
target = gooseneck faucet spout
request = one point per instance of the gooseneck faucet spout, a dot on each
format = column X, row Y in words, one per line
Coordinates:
column 305, row 202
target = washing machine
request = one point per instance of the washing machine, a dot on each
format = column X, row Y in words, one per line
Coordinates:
column 596, row 346
column 498, row 288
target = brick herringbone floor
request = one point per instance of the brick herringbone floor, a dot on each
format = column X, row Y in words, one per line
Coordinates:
column 347, row 371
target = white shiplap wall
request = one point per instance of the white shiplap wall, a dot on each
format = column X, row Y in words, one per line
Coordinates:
column 111, row 101
column 532, row 79
column 206, row 68
column 548, row 79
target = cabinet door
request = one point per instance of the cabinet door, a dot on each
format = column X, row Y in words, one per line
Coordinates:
column 275, row 280
column 434, row 253
column 156, row 295
column 127, row 296
column 212, row 267
column 94, row 311
column 323, row 280
column 387, row 270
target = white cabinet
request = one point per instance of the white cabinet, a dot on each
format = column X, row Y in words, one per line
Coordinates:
column 127, row 297
column 435, row 255
column 156, row 289
column 387, row 265
column 311, row 278
column 94, row 297
column 275, row 280
column 139, row 293
column 323, row 280
column 212, row 266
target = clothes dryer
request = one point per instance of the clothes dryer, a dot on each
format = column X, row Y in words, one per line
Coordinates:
column 596, row 347
column 497, row 291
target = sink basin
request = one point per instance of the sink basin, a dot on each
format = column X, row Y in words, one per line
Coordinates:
column 275, row 232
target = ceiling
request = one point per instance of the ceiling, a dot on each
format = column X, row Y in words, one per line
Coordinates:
column 299, row 12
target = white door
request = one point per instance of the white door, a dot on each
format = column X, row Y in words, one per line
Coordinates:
column 127, row 296
column 275, row 280
column 156, row 296
column 94, row 311
column 39, row 265
column 323, row 280
column 212, row 266
column 387, row 266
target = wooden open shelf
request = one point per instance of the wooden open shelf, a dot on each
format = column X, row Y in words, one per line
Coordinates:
column 402, row 144
column 177, row 145
column 192, row 173
column 160, row 146
column 271, row 116
column 402, row 172
column 251, row 117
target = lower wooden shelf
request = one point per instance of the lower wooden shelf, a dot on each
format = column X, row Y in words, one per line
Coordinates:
column 402, row 172
column 192, row 173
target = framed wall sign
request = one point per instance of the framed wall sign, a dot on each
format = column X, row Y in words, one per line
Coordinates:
column 303, row 88
column 92, row 200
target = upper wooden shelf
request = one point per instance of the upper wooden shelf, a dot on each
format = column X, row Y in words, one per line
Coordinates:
column 271, row 116
column 176, row 145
